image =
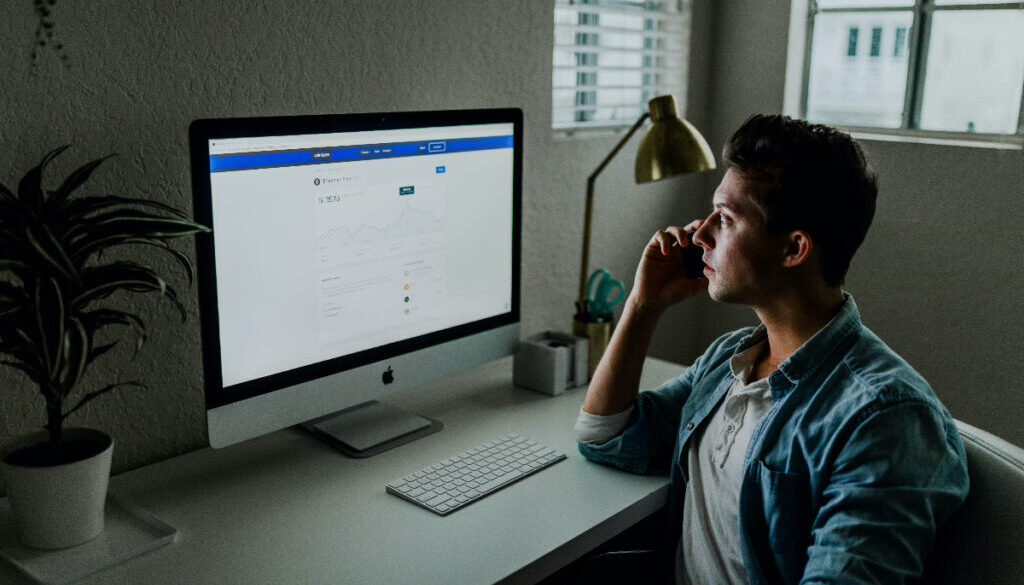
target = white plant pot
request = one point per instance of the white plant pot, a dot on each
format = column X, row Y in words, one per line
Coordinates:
column 58, row 506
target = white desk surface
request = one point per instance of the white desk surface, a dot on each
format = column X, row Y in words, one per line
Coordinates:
column 285, row 508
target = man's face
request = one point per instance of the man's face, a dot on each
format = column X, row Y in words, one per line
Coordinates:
column 744, row 262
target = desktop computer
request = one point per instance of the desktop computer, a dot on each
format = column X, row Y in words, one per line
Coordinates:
column 352, row 256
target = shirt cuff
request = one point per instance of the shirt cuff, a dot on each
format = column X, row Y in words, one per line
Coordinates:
column 594, row 428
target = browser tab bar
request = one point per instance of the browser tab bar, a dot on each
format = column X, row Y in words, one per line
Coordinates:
column 229, row 161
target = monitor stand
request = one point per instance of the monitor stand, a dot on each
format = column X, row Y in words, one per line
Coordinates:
column 370, row 428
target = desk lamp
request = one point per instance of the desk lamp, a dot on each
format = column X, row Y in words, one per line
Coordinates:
column 671, row 146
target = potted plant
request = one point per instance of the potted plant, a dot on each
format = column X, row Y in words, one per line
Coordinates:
column 56, row 319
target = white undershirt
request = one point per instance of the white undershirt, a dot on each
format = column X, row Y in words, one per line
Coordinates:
column 709, row 550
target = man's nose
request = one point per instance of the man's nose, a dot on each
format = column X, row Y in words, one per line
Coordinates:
column 702, row 237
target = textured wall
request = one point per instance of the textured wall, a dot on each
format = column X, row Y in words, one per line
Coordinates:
column 137, row 73
column 940, row 275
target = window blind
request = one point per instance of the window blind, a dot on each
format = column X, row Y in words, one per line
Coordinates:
column 612, row 56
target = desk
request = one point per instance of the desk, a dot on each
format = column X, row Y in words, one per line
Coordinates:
column 285, row 508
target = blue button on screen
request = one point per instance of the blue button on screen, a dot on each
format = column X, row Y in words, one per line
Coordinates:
column 439, row 169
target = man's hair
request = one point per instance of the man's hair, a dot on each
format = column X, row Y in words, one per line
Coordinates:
column 814, row 178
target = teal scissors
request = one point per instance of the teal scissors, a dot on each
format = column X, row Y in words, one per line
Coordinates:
column 600, row 301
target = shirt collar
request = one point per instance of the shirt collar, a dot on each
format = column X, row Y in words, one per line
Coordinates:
column 810, row 355
column 743, row 361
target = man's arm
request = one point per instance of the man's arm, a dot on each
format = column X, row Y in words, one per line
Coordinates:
column 659, row 284
column 616, row 380
column 901, row 473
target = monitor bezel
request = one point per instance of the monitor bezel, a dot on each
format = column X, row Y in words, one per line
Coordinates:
column 203, row 130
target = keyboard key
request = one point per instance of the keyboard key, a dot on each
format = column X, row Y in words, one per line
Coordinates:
column 500, row 480
column 438, row 500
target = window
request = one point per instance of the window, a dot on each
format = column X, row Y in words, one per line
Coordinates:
column 954, row 66
column 612, row 56
column 900, row 46
column 876, row 41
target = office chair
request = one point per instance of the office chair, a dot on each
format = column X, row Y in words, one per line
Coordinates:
column 982, row 541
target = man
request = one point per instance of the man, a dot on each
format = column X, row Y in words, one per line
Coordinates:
column 802, row 451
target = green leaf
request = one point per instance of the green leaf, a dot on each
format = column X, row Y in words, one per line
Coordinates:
column 15, row 320
column 76, row 352
column 12, row 265
column 104, row 290
column 182, row 259
column 121, row 271
column 51, row 250
column 50, row 314
column 6, row 194
column 81, row 208
column 33, row 374
column 16, row 314
column 17, row 351
column 30, row 190
column 7, row 310
column 93, row 395
column 101, row 281
column 99, row 350
column 13, row 293
column 74, row 181
column 16, row 326
column 14, row 214
column 100, row 318
column 116, row 232
column 144, row 225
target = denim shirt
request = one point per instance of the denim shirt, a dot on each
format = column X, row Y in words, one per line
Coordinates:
column 847, row 476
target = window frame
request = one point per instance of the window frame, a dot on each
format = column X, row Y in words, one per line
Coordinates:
column 649, row 10
column 917, row 47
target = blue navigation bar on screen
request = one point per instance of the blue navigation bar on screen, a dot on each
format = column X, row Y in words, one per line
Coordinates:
column 256, row 160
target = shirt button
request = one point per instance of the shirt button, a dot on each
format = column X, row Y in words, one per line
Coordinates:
column 730, row 428
column 689, row 427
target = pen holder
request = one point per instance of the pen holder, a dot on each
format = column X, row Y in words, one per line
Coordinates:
column 598, row 333
column 550, row 363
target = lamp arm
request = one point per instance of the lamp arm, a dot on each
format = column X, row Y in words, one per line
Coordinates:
column 589, row 208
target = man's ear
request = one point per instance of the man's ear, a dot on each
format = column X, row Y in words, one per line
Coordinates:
column 799, row 247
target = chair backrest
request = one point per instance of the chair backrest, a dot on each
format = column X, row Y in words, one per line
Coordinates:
column 983, row 542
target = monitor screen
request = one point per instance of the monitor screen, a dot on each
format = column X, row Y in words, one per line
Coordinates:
column 343, row 244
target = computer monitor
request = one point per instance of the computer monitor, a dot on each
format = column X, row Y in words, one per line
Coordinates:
column 352, row 256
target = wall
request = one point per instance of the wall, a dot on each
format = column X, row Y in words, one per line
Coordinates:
column 940, row 276
column 138, row 72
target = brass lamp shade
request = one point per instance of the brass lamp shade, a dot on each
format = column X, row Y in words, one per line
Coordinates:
column 671, row 146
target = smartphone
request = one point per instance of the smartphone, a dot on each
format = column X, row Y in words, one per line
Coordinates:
column 693, row 265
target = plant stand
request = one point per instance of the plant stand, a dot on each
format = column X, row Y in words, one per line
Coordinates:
column 129, row 532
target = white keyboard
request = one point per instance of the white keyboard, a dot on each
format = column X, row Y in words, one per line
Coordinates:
column 453, row 483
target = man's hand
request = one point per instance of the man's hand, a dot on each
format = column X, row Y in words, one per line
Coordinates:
column 660, row 282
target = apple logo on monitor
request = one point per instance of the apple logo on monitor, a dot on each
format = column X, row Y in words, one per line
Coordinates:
column 388, row 376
